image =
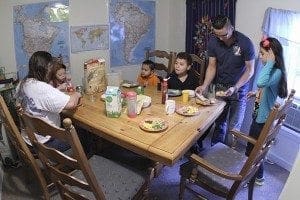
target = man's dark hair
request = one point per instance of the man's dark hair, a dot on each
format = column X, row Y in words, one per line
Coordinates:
column 220, row 21
column 150, row 63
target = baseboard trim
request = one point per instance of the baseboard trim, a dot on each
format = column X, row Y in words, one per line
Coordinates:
column 279, row 161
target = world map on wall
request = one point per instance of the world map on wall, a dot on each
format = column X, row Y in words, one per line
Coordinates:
column 132, row 31
column 88, row 38
column 41, row 27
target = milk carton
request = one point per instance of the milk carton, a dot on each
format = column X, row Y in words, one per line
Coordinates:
column 113, row 103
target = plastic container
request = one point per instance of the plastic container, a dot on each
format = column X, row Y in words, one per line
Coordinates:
column 113, row 78
column 113, row 103
column 131, row 99
column 164, row 92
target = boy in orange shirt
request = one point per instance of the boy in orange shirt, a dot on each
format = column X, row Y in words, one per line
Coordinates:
column 147, row 75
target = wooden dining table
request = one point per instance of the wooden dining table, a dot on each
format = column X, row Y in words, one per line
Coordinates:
column 165, row 147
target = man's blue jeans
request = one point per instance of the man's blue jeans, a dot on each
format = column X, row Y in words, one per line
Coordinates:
column 233, row 114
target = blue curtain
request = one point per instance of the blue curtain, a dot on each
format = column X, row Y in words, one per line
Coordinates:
column 198, row 21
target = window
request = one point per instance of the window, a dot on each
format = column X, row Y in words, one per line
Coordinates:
column 285, row 25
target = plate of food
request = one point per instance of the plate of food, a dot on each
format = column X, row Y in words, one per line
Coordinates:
column 130, row 84
column 188, row 110
column 204, row 101
column 221, row 94
column 153, row 124
column 174, row 93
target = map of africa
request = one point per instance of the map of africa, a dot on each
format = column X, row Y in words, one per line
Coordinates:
column 87, row 38
column 132, row 31
column 41, row 27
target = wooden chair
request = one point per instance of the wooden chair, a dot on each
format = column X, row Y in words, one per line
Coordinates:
column 96, row 178
column 169, row 57
column 199, row 66
column 19, row 144
column 222, row 170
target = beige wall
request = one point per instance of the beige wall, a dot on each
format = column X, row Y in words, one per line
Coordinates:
column 249, row 15
column 92, row 12
column 170, row 27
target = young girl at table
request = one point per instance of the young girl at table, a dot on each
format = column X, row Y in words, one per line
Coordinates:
column 147, row 75
column 183, row 77
column 272, row 82
column 58, row 76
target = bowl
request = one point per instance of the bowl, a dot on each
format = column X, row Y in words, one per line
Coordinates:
column 174, row 92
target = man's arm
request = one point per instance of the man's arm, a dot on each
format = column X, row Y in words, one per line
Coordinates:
column 244, row 78
column 246, row 75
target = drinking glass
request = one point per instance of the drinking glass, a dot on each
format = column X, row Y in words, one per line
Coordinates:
column 211, row 93
column 93, row 89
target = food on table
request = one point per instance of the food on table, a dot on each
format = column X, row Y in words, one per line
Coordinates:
column 188, row 110
column 221, row 93
column 153, row 124
column 204, row 101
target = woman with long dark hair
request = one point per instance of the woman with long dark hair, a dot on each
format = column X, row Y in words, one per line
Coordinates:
column 41, row 99
column 272, row 82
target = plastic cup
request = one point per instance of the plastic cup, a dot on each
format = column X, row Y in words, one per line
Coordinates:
column 185, row 96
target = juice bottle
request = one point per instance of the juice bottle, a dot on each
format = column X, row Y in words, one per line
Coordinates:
column 164, row 92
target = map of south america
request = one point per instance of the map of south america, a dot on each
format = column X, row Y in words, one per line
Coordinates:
column 132, row 27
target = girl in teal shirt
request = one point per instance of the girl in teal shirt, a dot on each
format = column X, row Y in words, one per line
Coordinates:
column 271, row 83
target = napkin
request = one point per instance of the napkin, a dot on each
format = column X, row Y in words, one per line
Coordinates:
column 143, row 101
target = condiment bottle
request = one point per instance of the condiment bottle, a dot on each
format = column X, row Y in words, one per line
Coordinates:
column 164, row 92
column 131, row 100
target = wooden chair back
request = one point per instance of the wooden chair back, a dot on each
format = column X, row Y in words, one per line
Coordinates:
column 242, row 169
column 168, row 57
column 266, row 139
column 19, row 144
column 56, row 162
column 199, row 65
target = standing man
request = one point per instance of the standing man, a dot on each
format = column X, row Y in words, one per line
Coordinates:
column 231, row 65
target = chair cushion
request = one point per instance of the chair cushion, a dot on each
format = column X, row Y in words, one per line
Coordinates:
column 117, row 181
column 222, row 157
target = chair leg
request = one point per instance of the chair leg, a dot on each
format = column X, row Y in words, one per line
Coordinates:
column 182, row 186
column 250, row 188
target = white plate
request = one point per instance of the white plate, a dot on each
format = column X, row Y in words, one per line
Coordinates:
column 174, row 93
column 153, row 124
column 130, row 85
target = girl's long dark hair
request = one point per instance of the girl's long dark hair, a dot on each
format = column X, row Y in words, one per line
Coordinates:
column 274, row 44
